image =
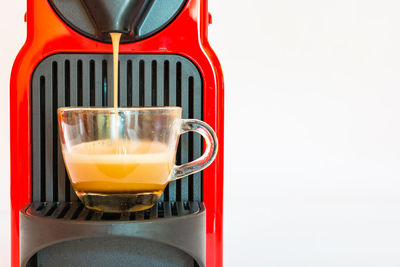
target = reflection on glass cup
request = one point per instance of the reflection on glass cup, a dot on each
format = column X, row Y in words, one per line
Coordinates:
column 121, row 160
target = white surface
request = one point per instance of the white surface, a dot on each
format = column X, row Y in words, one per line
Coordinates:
column 312, row 130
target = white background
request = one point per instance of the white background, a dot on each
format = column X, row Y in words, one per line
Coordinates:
column 312, row 130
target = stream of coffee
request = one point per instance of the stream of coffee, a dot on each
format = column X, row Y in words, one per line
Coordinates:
column 115, row 37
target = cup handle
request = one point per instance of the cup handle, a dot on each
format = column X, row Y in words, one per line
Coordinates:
column 210, row 152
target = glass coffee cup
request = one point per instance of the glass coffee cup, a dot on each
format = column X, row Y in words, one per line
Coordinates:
column 121, row 160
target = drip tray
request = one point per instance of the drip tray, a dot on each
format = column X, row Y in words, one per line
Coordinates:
column 180, row 225
column 77, row 212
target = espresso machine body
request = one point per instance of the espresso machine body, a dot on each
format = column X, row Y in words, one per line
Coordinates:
column 165, row 60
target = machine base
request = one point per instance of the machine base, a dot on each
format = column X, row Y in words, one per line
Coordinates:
column 176, row 228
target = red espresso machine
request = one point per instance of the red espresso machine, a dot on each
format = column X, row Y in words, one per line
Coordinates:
column 165, row 60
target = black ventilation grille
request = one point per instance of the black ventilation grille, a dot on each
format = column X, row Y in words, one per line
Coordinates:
column 77, row 211
column 86, row 80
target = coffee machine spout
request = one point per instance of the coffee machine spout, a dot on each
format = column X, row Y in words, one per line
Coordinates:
column 124, row 16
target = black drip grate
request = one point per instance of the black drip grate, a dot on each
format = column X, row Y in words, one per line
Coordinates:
column 86, row 80
column 77, row 211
